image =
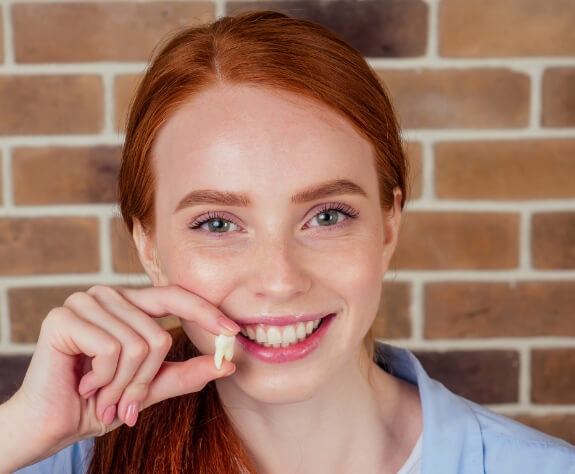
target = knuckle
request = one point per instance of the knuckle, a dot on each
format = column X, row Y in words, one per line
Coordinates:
column 55, row 315
column 101, row 290
column 111, row 348
column 137, row 349
column 77, row 298
column 162, row 342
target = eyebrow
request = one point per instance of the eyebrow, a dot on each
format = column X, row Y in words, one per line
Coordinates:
column 319, row 191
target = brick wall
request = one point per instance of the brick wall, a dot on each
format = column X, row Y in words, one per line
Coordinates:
column 482, row 286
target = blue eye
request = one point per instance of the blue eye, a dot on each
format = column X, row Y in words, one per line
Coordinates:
column 219, row 223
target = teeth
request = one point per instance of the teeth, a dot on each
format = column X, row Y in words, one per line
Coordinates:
column 224, row 349
column 276, row 336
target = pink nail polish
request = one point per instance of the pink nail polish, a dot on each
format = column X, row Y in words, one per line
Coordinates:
column 228, row 324
column 132, row 413
column 109, row 414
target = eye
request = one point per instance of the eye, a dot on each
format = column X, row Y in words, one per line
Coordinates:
column 219, row 223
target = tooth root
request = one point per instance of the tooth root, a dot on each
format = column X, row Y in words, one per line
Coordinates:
column 218, row 356
column 229, row 353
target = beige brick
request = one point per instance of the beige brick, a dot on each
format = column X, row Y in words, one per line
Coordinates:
column 459, row 98
column 552, row 378
column 457, row 240
column 482, row 376
column 561, row 425
column 124, row 253
column 46, row 245
column 49, row 104
column 489, row 309
column 77, row 174
column 30, row 305
column 393, row 320
column 474, row 28
column 99, row 31
column 505, row 169
column 553, row 240
column 558, row 108
column 414, row 156
column 125, row 87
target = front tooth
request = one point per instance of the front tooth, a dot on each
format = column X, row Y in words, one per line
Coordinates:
column 288, row 335
column 224, row 346
column 274, row 336
column 261, row 335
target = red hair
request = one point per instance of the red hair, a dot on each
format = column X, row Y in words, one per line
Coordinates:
column 192, row 433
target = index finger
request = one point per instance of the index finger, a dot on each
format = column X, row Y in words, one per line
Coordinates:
column 159, row 301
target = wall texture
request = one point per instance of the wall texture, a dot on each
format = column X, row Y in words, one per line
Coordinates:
column 482, row 286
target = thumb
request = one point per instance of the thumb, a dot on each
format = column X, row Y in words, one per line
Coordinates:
column 179, row 378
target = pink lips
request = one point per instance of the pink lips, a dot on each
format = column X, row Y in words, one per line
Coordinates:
column 280, row 320
column 280, row 354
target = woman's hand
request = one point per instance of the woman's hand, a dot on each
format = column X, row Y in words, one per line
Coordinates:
column 99, row 360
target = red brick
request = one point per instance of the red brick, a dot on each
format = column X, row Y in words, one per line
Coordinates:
column 489, row 309
column 1, row 180
column 474, row 28
column 125, row 88
column 552, row 376
column 30, row 246
column 553, row 240
column 562, row 426
column 505, row 169
column 43, row 104
column 558, row 108
column 124, row 253
column 393, row 319
column 482, row 376
column 99, row 31
column 457, row 240
column 77, row 174
column 459, row 98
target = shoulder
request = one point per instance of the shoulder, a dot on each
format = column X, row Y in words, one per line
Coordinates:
column 73, row 459
column 510, row 446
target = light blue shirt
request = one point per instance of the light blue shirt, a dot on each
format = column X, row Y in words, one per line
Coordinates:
column 459, row 436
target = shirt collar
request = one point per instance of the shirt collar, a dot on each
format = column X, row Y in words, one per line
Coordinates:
column 452, row 439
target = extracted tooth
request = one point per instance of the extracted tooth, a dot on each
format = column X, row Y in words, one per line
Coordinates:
column 224, row 348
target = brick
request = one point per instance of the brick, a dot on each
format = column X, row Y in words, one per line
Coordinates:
column 1, row 180
column 77, row 174
column 457, row 240
column 414, row 152
column 12, row 370
column 553, row 240
column 106, row 31
column 472, row 28
column 393, row 320
column 29, row 306
column 125, row 88
column 30, row 246
column 482, row 376
column 505, row 169
column 562, row 425
column 558, row 97
column 125, row 257
column 49, row 104
column 376, row 28
column 459, row 98
column 489, row 309
column 552, row 378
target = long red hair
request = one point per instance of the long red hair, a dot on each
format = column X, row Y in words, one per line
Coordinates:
column 192, row 433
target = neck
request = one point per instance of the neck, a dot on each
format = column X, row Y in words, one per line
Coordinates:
column 348, row 425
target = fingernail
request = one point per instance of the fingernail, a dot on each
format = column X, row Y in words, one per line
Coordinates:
column 132, row 413
column 90, row 393
column 109, row 414
column 228, row 324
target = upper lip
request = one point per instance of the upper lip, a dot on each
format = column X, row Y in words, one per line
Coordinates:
column 282, row 320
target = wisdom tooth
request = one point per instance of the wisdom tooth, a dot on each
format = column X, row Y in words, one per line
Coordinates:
column 224, row 348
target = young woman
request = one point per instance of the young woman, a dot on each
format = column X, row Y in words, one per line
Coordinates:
column 263, row 180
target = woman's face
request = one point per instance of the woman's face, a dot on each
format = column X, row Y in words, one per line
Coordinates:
column 271, row 256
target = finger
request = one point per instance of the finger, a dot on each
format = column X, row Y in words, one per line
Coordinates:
column 159, row 301
column 179, row 378
column 71, row 335
column 134, row 349
column 158, row 340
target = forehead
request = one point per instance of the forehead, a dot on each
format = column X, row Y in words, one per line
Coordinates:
column 244, row 138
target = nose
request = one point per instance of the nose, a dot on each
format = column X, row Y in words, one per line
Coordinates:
column 278, row 271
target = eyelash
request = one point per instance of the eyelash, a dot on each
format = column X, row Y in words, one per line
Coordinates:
column 348, row 211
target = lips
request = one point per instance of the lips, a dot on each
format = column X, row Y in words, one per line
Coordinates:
column 282, row 320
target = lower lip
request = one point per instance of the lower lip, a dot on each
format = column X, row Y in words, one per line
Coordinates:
column 278, row 355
